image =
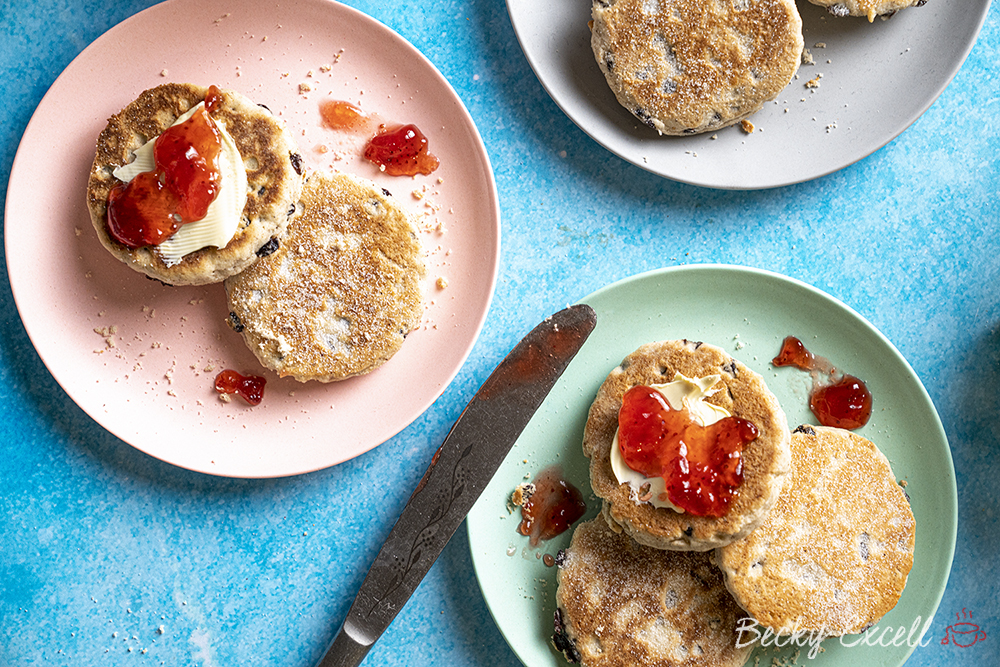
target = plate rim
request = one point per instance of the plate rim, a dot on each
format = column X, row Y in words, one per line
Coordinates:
column 490, row 275
column 475, row 526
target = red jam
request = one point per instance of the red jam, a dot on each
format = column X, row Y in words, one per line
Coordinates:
column 844, row 402
column 702, row 466
column 552, row 508
column 251, row 387
column 339, row 115
column 794, row 353
column 401, row 151
column 152, row 206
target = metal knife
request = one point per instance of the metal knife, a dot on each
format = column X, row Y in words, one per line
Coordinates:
column 458, row 472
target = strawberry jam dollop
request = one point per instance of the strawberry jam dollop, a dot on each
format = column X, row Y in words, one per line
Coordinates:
column 151, row 207
column 250, row 388
column 552, row 508
column 702, row 466
column 847, row 403
column 401, row 151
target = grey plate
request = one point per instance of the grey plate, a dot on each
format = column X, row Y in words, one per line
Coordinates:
column 878, row 78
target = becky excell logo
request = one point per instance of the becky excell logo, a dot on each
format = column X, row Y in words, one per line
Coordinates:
column 886, row 636
column 964, row 633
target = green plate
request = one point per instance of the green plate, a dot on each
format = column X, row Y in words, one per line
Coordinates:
column 747, row 312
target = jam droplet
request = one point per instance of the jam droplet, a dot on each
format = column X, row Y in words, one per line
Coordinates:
column 552, row 508
column 846, row 403
column 794, row 353
column 843, row 401
column 338, row 115
column 152, row 206
column 702, row 466
column 401, row 151
column 251, row 387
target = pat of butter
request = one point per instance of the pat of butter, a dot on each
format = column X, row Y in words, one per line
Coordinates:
column 681, row 392
column 222, row 221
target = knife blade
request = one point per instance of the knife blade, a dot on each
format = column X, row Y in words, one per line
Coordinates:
column 458, row 473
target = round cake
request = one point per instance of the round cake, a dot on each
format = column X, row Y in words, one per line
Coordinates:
column 273, row 179
column 687, row 66
column 834, row 553
column 621, row 604
column 341, row 291
column 740, row 392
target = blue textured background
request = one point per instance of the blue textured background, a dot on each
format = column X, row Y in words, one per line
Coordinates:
column 101, row 545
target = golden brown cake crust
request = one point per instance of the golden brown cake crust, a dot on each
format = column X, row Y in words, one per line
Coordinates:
column 743, row 394
column 342, row 290
column 274, row 178
column 687, row 66
column 835, row 551
column 623, row 604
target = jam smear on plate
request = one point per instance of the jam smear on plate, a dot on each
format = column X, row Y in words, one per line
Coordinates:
column 151, row 207
column 339, row 115
column 250, row 388
column 401, row 151
column 702, row 466
column 553, row 507
column 844, row 401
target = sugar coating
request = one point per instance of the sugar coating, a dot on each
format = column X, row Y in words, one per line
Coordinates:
column 341, row 292
column 622, row 604
column 834, row 553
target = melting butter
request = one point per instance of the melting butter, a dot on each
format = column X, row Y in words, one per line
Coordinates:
column 681, row 392
column 222, row 220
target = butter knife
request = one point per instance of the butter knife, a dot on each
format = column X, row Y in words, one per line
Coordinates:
column 458, row 473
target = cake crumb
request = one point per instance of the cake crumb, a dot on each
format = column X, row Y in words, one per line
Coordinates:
column 814, row 82
column 108, row 333
column 304, row 88
column 807, row 57
column 441, row 282
column 522, row 493
column 746, row 126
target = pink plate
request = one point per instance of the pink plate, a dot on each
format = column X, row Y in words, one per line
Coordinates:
column 141, row 358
